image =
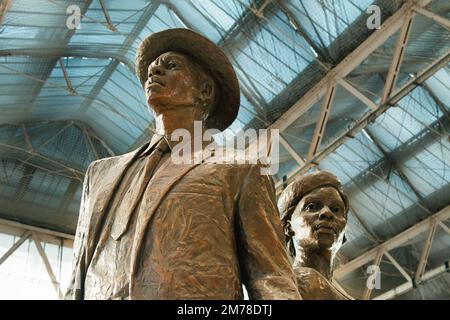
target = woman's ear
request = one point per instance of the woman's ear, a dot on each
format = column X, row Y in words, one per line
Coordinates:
column 288, row 229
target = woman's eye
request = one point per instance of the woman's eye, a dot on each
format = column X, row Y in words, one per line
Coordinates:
column 311, row 206
column 336, row 209
column 172, row 65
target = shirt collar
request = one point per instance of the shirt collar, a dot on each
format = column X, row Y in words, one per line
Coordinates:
column 156, row 138
column 152, row 143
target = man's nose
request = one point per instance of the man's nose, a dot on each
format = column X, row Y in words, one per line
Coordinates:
column 326, row 213
column 156, row 69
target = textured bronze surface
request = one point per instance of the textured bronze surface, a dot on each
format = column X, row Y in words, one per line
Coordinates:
column 153, row 229
column 314, row 215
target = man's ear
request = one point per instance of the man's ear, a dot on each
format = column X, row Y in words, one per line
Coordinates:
column 207, row 89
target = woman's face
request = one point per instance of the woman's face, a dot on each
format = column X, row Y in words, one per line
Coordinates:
column 319, row 219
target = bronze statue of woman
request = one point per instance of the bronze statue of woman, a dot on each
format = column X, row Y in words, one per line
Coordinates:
column 313, row 213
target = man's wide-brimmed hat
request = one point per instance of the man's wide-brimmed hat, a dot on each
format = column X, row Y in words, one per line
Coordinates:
column 208, row 55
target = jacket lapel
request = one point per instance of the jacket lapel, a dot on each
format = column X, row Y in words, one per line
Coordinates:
column 110, row 176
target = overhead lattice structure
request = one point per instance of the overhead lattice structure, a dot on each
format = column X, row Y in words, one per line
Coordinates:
column 370, row 105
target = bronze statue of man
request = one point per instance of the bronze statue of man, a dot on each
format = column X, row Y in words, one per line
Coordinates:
column 153, row 229
column 314, row 215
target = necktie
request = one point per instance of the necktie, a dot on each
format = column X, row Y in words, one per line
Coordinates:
column 135, row 190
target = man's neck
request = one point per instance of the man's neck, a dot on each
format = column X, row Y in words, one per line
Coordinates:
column 188, row 120
column 321, row 261
column 174, row 119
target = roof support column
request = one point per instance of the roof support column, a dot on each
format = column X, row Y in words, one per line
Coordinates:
column 322, row 121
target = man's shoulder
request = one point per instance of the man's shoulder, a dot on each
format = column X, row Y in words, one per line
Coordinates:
column 110, row 162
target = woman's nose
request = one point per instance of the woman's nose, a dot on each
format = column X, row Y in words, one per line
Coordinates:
column 325, row 213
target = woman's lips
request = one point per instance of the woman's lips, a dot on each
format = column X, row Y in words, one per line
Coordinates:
column 325, row 228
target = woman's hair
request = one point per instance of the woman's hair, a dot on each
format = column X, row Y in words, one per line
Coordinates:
column 292, row 195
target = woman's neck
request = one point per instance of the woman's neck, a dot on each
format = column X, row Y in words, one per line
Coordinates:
column 319, row 260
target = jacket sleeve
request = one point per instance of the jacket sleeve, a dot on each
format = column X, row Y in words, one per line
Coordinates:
column 75, row 289
column 265, row 267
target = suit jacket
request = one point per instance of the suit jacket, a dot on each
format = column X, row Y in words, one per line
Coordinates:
column 202, row 231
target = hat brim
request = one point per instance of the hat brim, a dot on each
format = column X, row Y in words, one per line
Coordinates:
column 205, row 52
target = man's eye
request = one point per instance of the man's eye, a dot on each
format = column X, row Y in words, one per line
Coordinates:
column 172, row 65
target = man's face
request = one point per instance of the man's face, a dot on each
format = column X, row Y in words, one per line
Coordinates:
column 173, row 81
column 319, row 219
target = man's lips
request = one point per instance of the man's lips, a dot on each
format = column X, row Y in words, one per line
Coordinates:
column 155, row 81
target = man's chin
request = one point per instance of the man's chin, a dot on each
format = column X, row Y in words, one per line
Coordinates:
column 158, row 104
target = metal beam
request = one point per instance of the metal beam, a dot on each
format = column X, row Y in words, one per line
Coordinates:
column 436, row 100
column 47, row 264
column 398, row 266
column 17, row 227
column 109, row 70
column 292, row 151
column 443, row 226
column 364, row 226
column 397, row 59
column 24, row 182
column 66, row 77
column 259, row 12
column 361, row 97
column 438, row 18
column 110, row 25
column 398, row 168
column 348, row 64
column 402, row 289
column 27, row 138
column 425, row 252
column 54, row 62
column 14, row 247
column 319, row 130
column 80, row 51
column 323, row 57
column 395, row 242
column 91, row 144
column 351, row 132
column 248, row 19
column 38, row 155
column 91, row 133
column 35, row 152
